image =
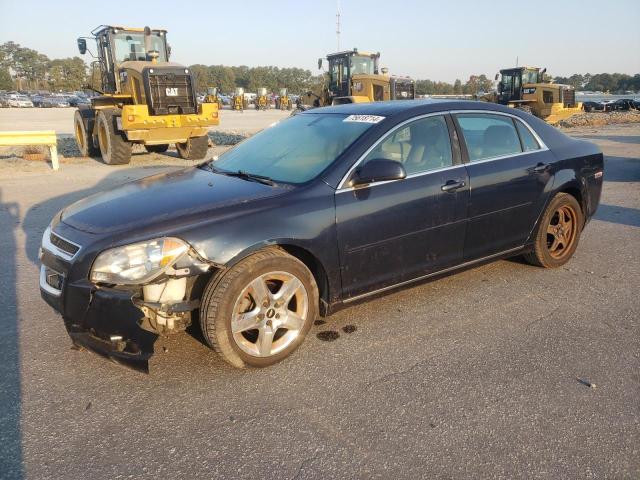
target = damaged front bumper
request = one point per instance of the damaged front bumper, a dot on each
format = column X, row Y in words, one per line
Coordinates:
column 114, row 322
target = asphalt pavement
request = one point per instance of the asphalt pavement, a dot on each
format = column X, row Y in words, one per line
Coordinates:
column 502, row 371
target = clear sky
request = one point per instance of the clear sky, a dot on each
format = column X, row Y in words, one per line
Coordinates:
column 439, row 40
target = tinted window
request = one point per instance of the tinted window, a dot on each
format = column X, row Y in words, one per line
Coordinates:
column 294, row 150
column 529, row 142
column 420, row 146
column 488, row 136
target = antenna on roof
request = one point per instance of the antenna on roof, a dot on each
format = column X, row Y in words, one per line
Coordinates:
column 338, row 23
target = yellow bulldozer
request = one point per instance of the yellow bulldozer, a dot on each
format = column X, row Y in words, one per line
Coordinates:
column 525, row 88
column 283, row 102
column 143, row 98
column 262, row 100
column 356, row 77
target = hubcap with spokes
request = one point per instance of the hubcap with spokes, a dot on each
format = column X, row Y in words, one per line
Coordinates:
column 269, row 314
column 561, row 231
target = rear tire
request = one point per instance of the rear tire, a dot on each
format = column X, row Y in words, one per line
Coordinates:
column 194, row 148
column 84, row 139
column 558, row 233
column 114, row 147
column 236, row 315
column 156, row 148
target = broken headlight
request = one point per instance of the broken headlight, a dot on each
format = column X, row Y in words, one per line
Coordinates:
column 137, row 263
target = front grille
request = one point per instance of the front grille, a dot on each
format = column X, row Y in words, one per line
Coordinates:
column 171, row 93
column 569, row 97
column 63, row 244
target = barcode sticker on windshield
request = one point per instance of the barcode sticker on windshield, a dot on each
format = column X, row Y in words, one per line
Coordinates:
column 364, row 118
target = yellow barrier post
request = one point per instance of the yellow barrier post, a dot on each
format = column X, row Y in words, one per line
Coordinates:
column 24, row 139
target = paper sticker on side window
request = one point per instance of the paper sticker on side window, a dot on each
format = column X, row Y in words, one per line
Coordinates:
column 364, row 118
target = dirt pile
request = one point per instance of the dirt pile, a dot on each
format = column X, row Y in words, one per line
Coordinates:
column 598, row 119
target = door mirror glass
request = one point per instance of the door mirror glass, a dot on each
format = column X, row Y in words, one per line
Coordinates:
column 379, row 170
column 319, row 64
column 82, row 46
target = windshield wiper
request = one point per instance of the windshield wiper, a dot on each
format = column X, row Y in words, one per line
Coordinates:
column 251, row 177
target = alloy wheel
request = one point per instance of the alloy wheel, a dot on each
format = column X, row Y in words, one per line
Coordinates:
column 561, row 231
column 269, row 314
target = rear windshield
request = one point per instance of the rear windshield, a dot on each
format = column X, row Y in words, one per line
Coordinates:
column 295, row 150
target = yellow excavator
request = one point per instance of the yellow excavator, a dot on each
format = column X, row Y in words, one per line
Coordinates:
column 213, row 97
column 356, row 77
column 143, row 98
column 525, row 88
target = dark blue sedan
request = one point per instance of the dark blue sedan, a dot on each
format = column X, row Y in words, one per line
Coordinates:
column 320, row 210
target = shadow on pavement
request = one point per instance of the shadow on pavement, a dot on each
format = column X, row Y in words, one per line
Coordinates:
column 621, row 169
column 10, row 391
column 618, row 214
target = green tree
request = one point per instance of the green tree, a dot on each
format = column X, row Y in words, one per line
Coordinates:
column 6, row 82
column 67, row 73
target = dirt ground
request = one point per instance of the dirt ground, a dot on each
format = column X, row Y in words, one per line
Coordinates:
column 484, row 374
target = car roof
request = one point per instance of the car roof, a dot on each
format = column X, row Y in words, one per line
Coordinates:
column 416, row 107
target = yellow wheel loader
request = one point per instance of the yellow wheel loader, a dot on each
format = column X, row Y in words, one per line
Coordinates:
column 213, row 97
column 238, row 102
column 526, row 89
column 283, row 102
column 143, row 99
column 355, row 77
column 262, row 101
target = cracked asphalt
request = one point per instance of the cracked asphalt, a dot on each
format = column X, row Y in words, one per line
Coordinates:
column 502, row 371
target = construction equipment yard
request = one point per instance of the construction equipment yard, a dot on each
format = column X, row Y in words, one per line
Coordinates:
column 528, row 378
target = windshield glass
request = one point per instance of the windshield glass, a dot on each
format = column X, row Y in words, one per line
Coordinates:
column 294, row 150
column 362, row 65
column 529, row 76
column 129, row 46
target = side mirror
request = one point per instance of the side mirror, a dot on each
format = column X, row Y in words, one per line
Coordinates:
column 378, row 170
column 82, row 46
column 497, row 77
column 319, row 64
column 168, row 51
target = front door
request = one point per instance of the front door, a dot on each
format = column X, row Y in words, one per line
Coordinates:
column 390, row 232
column 508, row 172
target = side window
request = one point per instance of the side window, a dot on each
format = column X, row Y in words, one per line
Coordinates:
column 547, row 96
column 488, row 136
column 420, row 146
column 529, row 142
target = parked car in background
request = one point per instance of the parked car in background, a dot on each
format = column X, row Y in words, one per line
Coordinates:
column 591, row 106
column 4, row 103
column 328, row 207
column 77, row 101
column 623, row 105
column 19, row 101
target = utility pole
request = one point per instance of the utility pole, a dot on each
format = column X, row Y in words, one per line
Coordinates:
column 338, row 24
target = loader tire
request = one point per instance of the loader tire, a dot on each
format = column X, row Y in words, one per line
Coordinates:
column 194, row 148
column 84, row 138
column 114, row 147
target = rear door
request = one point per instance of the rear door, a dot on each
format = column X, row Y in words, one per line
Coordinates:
column 390, row 232
column 508, row 168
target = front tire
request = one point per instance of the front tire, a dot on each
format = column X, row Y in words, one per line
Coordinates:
column 259, row 311
column 114, row 147
column 558, row 233
column 84, row 139
column 195, row 148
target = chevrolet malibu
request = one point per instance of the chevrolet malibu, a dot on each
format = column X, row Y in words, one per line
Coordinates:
column 321, row 210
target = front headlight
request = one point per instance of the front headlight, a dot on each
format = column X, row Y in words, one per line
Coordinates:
column 137, row 263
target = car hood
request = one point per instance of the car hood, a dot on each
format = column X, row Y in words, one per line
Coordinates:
column 166, row 199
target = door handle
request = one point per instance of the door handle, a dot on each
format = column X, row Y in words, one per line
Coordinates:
column 452, row 185
column 541, row 168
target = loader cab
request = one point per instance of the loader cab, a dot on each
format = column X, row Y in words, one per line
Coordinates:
column 344, row 65
column 512, row 80
column 116, row 45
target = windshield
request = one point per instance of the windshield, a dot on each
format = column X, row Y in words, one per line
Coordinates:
column 295, row 150
column 529, row 76
column 129, row 46
column 363, row 65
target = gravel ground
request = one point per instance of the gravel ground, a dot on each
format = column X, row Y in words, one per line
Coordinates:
column 600, row 119
column 484, row 374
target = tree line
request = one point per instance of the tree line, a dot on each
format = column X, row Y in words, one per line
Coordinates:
column 23, row 68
